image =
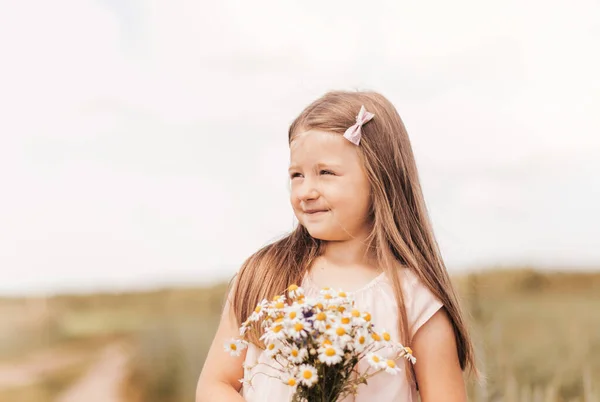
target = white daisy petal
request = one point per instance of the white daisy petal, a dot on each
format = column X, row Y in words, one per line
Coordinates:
column 235, row 347
column 307, row 375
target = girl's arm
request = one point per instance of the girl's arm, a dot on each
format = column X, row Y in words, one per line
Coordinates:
column 218, row 380
column 437, row 367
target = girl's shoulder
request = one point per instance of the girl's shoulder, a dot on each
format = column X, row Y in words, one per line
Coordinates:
column 420, row 302
column 412, row 286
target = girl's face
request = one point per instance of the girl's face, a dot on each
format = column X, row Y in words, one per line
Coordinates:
column 330, row 191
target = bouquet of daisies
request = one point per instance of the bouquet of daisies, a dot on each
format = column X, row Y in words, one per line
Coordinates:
column 315, row 344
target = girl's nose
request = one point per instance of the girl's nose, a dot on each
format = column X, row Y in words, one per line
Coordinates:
column 308, row 191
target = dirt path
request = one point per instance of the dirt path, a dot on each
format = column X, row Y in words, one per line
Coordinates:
column 102, row 382
column 35, row 368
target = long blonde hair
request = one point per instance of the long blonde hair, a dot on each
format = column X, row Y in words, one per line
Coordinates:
column 401, row 236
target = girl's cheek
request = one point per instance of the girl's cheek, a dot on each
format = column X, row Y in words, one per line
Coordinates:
column 294, row 200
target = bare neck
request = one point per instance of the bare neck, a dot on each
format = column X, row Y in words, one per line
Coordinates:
column 348, row 252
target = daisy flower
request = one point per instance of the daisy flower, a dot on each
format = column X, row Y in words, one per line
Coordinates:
column 358, row 318
column 278, row 298
column 376, row 339
column 293, row 312
column 297, row 329
column 300, row 301
column 341, row 294
column 376, row 361
column 320, row 321
column 272, row 348
column 327, row 295
column 340, row 333
column 295, row 354
column 235, row 346
column 294, row 291
column 258, row 312
column 290, row 380
column 278, row 305
column 408, row 355
column 385, row 336
column 391, row 367
column 330, row 354
column 316, row 303
column 361, row 340
column 345, row 320
column 275, row 331
column 307, row 375
column 344, row 301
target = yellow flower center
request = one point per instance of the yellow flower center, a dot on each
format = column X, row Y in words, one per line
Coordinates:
column 345, row 320
column 340, row 331
column 257, row 309
column 277, row 328
column 341, row 309
column 375, row 359
column 233, row 347
column 326, row 342
column 271, row 346
column 391, row 364
column 386, row 336
column 330, row 352
column 293, row 287
column 327, row 296
column 355, row 313
column 342, row 294
column 319, row 306
column 361, row 340
column 294, row 353
column 367, row 317
column 375, row 336
column 291, row 382
column 298, row 326
column 321, row 316
column 292, row 314
column 279, row 305
column 408, row 350
column 307, row 374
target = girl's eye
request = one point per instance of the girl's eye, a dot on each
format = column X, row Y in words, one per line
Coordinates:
column 294, row 175
column 326, row 172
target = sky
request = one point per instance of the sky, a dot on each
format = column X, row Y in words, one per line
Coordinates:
column 144, row 143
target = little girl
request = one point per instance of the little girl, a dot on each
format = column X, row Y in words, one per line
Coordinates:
column 363, row 227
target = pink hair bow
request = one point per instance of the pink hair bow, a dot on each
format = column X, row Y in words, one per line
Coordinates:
column 353, row 133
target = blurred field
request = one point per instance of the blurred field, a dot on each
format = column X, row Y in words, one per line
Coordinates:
column 537, row 336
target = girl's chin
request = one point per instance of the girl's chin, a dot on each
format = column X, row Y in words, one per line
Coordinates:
column 321, row 234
